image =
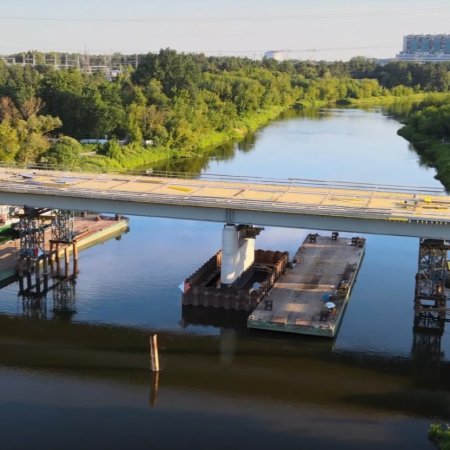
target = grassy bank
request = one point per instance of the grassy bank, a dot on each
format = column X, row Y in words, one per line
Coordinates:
column 384, row 100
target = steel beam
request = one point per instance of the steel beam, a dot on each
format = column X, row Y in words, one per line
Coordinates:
column 214, row 213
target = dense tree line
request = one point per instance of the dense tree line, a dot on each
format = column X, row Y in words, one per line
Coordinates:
column 178, row 102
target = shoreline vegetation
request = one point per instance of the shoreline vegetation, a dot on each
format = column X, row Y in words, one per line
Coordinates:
column 439, row 434
column 133, row 157
column 175, row 106
column 427, row 127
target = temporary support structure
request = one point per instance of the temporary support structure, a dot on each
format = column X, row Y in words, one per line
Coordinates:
column 430, row 305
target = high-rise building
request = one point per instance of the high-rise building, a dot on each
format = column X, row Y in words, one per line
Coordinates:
column 425, row 47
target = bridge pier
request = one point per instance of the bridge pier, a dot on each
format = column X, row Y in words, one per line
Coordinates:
column 430, row 313
column 238, row 251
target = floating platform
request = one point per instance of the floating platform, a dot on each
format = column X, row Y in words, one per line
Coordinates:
column 322, row 275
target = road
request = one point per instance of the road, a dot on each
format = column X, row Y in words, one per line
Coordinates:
column 306, row 198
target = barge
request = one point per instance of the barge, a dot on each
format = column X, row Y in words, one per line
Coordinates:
column 310, row 297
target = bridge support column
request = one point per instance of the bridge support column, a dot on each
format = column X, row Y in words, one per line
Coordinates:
column 238, row 251
column 430, row 307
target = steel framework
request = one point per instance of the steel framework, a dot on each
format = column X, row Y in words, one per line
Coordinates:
column 31, row 229
column 430, row 306
column 62, row 226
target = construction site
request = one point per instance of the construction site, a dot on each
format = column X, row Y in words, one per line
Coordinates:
column 307, row 294
column 41, row 254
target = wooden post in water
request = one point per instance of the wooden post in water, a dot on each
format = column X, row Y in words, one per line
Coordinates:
column 21, row 288
column 45, row 270
column 57, row 258
column 66, row 261
column 154, row 388
column 75, row 258
column 20, row 271
column 154, row 357
column 51, row 257
column 37, row 274
column 29, row 284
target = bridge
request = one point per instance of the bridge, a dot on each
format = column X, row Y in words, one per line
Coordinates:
column 293, row 203
column 238, row 202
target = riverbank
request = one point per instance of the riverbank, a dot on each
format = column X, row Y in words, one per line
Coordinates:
column 134, row 156
column 427, row 128
column 379, row 100
column 383, row 100
column 432, row 151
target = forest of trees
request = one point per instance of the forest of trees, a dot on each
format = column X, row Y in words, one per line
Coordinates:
column 178, row 103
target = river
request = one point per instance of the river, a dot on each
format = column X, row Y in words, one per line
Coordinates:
column 82, row 380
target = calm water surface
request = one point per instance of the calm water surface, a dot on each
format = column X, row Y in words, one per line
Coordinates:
column 82, row 381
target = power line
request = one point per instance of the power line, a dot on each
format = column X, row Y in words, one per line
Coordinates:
column 306, row 50
column 268, row 18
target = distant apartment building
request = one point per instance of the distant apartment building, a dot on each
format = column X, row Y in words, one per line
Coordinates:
column 425, row 47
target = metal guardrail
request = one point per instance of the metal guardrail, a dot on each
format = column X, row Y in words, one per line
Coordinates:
column 331, row 184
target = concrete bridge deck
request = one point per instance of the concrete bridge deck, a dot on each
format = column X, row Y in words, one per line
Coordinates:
column 310, row 204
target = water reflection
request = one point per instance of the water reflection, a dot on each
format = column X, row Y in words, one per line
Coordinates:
column 286, row 369
column 213, row 317
column 35, row 303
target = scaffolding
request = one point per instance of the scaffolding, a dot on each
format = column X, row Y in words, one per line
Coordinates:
column 35, row 260
column 62, row 226
column 430, row 307
column 31, row 229
column 430, row 297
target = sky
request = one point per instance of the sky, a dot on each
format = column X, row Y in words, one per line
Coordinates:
column 313, row 29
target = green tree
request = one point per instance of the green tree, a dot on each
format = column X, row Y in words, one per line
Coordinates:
column 65, row 153
column 9, row 142
column 32, row 136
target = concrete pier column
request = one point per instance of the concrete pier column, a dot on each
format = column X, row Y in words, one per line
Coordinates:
column 238, row 251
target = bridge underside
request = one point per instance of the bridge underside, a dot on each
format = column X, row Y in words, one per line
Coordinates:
column 214, row 213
